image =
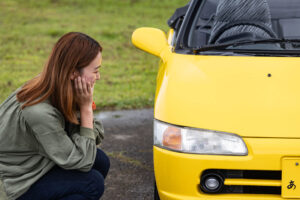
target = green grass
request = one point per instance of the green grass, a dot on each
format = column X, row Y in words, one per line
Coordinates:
column 29, row 29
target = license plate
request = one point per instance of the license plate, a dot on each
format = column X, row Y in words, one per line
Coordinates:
column 290, row 177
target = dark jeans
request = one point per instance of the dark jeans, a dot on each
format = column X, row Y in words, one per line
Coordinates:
column 61, row 184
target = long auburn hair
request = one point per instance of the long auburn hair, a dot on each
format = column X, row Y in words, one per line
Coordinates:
column 73, row 51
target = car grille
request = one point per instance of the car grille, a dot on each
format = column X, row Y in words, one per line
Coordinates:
column 245, row 181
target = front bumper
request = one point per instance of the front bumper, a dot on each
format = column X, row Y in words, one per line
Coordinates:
column 178, row 174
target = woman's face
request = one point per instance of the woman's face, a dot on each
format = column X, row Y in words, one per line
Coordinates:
column 91, row 72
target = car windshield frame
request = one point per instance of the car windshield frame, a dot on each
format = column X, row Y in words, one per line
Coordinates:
column 190, row 22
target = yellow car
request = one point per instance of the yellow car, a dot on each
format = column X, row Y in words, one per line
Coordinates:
column 227, row 103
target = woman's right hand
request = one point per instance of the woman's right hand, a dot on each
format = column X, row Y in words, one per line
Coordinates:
column 84, row 92
column 84, row 98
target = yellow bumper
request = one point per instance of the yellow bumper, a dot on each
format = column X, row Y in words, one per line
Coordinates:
column 178, row 174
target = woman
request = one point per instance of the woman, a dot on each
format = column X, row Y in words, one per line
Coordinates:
column 48, row 136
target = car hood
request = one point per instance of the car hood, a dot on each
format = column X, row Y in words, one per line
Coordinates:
column 246, row 95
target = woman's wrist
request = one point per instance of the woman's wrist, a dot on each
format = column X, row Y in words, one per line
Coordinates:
column 87, row 117
column 86, row 107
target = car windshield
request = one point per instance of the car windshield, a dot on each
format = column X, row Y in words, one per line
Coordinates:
column 263, row 25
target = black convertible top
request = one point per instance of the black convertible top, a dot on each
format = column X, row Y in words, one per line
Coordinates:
column 179, row 12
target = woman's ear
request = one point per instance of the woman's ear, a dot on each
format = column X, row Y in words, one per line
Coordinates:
column 74, row 75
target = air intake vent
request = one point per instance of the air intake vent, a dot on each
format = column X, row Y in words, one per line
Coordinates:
column 242, row 181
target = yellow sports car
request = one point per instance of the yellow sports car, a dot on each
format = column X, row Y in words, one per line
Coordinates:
column 227, row 103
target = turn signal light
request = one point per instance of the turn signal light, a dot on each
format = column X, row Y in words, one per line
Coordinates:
column 172, row 138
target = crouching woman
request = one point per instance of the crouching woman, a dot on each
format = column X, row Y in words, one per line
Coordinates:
column 48, row 137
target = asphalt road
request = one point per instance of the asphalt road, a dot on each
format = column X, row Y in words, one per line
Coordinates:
column 128, row 143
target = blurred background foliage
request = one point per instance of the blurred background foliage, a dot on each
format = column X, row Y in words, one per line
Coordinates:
column 29, row 29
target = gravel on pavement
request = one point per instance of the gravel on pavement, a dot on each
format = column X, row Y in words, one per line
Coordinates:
column 128, row 142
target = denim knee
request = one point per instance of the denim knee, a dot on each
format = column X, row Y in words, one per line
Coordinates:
column 96, row 186
column 102, row 163
column 106, row 166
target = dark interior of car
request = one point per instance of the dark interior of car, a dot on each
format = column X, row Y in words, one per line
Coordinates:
column 284, row 21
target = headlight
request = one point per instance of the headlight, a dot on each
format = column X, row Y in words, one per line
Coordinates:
column 200, row 141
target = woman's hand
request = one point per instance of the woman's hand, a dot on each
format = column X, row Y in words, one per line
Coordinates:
column 84, row 92
column 84, row 98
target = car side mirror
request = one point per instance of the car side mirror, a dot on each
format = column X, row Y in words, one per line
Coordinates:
column 151, row 40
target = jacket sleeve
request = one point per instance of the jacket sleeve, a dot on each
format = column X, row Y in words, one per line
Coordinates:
column 77, row 151
column 98, row 129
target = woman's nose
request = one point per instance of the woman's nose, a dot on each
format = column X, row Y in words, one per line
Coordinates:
column 98, row 76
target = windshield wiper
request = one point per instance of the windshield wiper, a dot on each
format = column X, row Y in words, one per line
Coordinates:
column 235, row 44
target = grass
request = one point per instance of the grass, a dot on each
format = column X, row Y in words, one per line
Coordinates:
column 29, row 29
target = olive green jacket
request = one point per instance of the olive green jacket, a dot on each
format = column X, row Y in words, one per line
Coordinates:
column 35, row 139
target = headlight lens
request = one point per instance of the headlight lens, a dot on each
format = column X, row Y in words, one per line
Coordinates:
column 199, row 141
